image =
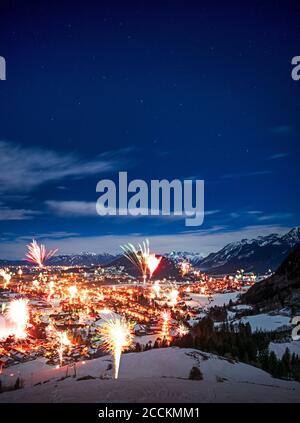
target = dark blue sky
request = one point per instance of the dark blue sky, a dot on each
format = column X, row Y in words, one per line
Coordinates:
column 163, row 91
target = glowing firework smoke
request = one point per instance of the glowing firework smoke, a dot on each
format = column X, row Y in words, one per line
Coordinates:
column 18, row 314
column 84, row 295
column 37, row 254
column 185, row 268
column 156, row 288
column 73, row 292
column 116, row 335
column 173, row 296
column 152, row 263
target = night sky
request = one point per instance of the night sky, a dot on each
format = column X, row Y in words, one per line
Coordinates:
column 172, row 90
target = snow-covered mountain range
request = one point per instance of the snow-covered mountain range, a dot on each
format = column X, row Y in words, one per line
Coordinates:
column 86, row 259
column 179, row 256
column 258, row 254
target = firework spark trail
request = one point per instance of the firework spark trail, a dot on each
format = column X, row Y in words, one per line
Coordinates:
column 37, row 254
column 166, row 318
column 141, row 258
column 18, row 314
column 138, row 257
column 73, row 292
column 116, row 335
column 63, row 342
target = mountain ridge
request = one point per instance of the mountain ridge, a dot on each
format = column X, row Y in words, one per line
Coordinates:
column 253, row 255
column 282, row 288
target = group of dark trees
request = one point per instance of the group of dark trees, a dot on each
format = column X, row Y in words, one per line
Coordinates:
column 239, row 343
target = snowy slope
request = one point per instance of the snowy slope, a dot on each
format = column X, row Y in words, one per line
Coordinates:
column 158, row 375
column 200, row 300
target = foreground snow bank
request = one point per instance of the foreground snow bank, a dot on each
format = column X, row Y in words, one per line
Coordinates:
column 158, row 375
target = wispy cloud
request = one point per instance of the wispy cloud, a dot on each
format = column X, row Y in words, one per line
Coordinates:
column 88, row 209
column 49, row 235
column 275, row 216
column 211, row 212
column 254, row 212
column 6, row 213
column 277, row 156
column 73, row 208
column 25, row 168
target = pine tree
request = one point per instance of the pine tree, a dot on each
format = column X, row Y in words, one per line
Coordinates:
column 272, row 366
column 286, row 361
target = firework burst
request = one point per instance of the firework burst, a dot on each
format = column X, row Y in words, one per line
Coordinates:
column 137, row 256
column 18, row 314
column 182, row 330
column 6, row 276
column 141, row 258
column 116, row 335
column 173, row 297
column 37, row 254
column 72, row 292
column 51, row 290
column 185, row 268
column 152, row 263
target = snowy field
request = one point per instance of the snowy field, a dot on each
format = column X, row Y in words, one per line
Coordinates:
column 265, row 322
column 200, row 300
column 159, row 375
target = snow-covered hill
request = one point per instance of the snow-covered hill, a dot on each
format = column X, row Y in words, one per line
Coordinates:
column 158, row 375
